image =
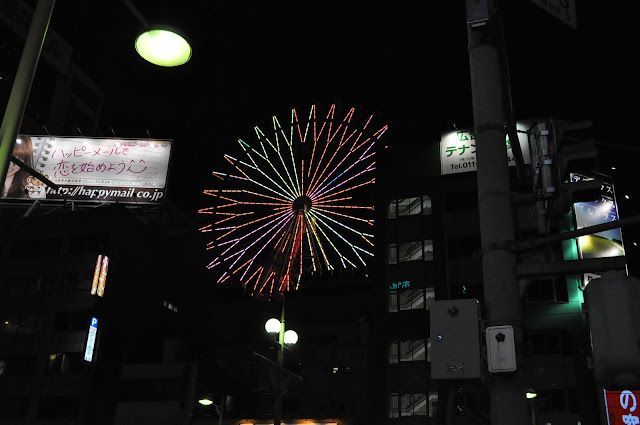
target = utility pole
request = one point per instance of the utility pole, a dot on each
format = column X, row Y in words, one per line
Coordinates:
column 501, row 292
column 22, row 82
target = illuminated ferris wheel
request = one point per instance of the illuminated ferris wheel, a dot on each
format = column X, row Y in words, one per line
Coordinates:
column 294, row 200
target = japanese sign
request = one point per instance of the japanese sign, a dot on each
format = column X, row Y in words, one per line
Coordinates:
column 103, row 170
column 622, row 407
column 91, row 340
column 401, row 284
column 458, row 150
column 100, row 276
column 602, row 244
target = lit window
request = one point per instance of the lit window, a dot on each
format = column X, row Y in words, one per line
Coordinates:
column 407, row 405
column 407, row 351
column 410, row 251
column 410, row 299
column 409, row 206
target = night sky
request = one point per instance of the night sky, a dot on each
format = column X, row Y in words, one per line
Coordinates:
column 404, row 61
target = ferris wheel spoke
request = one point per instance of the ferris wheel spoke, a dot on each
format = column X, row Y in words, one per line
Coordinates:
column 343, row 258
column 352, row 217
column 277, row 128
column 276, row 148
column 351, row 229
column 313, row 227
column 346, row 121
column 355, row 248
column 273, row 230
column 355, row 146
column 325, row 184
column 288, row 193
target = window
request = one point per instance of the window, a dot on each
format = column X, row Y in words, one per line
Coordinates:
column 407, row 405
column 70, row 321
column 433, row 404
column 410, row 251
column 410, row 299
column 407, row 351
column 59, row 407
column 549, row 342
column 62, row 363
column 409, row 206
column 13, row 407
column 547, row 291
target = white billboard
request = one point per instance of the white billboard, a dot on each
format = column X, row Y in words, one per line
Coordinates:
column 88, row 169
column 458, row 150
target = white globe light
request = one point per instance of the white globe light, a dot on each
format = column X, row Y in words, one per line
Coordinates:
column 290, row 337
column 272, row 326
column 531, row 394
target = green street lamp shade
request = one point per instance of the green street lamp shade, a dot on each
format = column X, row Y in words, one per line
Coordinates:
column 163, row 47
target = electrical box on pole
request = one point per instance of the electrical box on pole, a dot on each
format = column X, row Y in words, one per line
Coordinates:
column 613, row 303
column 455, row 339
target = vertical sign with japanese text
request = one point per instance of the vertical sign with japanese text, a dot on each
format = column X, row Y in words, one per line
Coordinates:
column 86, row 169
column 458, row 150
column 100, row 276
column 91, row 340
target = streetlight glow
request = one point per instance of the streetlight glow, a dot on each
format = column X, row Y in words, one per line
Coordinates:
column 273, row 326
column 163, row 47
column 290, row 337
column 531, row 394
column 205, row 401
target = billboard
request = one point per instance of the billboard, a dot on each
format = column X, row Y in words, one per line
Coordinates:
column 458, row 150
column 89, row 169
column 602, row 244
column 622, row 407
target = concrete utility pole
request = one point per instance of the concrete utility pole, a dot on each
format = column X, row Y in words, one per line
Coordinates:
column 22, row 82
column 501, row 293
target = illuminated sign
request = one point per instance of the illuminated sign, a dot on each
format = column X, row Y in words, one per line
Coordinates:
column 603, row 244
column 100, row 276
column 91, row 340
column 622, row 407
column 86, row 169
column 404, row 284
column 458, row 150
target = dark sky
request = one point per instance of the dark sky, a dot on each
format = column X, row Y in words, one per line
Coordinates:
column 403, row 60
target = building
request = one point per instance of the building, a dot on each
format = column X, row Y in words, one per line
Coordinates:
column 77, row 354
column 431, row 249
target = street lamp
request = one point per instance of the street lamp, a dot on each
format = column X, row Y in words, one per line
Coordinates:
column 285, row 337
column 161, row 46
column 205, row 401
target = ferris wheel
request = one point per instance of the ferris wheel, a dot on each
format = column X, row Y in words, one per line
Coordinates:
column 294, row 200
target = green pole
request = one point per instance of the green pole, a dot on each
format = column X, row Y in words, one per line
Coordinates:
column 22, row 82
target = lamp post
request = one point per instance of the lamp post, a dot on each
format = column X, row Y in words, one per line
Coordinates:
column 275, row 326
column 206, row 401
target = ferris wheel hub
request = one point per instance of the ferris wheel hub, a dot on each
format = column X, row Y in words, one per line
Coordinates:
column 301, row 203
